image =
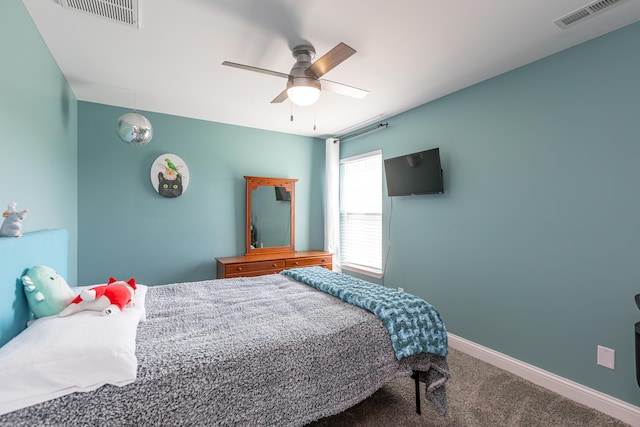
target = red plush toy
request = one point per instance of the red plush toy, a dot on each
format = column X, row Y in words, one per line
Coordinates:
column 110, row 298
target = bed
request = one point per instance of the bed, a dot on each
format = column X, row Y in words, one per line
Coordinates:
column 267, row 350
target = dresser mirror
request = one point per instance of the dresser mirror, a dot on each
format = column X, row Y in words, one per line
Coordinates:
column 270, row 215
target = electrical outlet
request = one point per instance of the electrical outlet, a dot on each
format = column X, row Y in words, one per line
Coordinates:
column 606, row 357
column 401, row 289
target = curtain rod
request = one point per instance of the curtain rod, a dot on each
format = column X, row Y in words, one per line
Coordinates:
column 363, row 131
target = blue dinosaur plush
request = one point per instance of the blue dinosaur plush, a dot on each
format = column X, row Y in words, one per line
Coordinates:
column 12, row 225
column 47, row 292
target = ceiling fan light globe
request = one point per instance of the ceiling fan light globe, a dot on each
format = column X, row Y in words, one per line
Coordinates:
column 303, row 95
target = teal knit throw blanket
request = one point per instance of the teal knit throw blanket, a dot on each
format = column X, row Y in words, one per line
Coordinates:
column 414, row 325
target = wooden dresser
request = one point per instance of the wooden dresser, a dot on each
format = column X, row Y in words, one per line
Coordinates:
column 260, row 264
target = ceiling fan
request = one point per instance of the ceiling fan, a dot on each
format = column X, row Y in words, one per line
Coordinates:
column 304, row 80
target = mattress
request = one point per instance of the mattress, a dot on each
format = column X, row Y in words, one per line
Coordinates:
column 265, row 350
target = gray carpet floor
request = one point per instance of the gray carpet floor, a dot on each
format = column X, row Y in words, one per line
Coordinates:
column 478, row 394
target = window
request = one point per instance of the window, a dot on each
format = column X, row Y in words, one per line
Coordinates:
column 361, row 213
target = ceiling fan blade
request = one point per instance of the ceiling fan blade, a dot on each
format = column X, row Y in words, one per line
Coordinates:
column 343, row 89
column 330, row 60
column 280, row 98
column 256, row 69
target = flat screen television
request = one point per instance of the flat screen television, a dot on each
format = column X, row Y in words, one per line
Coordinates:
column 415, row 173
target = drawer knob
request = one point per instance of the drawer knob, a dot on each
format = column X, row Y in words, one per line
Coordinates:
column 296, row 263
column 274, row 265
column 239, row 268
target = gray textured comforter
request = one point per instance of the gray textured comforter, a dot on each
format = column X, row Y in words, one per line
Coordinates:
column 244, row 352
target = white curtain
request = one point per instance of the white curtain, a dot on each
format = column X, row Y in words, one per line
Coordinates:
column 332, row 202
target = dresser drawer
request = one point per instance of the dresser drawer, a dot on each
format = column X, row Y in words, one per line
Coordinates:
column 253, row 273
column 245, row 269
column 324, row 261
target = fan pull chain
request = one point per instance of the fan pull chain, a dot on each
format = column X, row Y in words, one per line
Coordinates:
column 314, row 116
column 291, row 105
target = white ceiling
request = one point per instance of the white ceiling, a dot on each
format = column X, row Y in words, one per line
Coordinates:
column 409, row 52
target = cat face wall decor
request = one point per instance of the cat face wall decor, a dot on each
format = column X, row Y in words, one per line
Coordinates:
column 169, row 175
column 169, row 187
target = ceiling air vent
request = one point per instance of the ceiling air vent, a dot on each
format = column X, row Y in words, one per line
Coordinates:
column 122, row 11
column 585, row 12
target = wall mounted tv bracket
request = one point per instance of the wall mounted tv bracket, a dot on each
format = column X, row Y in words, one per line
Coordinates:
column 638, row 344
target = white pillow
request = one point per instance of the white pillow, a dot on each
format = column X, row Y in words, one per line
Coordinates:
column 56, row 356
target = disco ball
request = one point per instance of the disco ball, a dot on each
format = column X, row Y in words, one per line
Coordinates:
column 134, row 129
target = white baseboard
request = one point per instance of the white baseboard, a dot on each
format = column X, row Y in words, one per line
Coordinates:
column 604, row 403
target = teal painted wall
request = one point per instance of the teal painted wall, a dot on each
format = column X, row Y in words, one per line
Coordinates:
column 128, row 230
column 534, row 248
column 38, row 130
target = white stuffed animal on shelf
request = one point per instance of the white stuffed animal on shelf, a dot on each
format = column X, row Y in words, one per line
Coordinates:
column 12, row 225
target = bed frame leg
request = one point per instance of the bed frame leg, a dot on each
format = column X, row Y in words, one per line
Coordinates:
column 416, row 377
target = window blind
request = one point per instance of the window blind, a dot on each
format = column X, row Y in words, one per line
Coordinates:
column 361, row 212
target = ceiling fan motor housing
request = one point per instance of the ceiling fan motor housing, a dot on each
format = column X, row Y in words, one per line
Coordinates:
column 298, row 76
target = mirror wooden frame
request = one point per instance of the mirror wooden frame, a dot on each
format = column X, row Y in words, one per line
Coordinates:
column 253, row 182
